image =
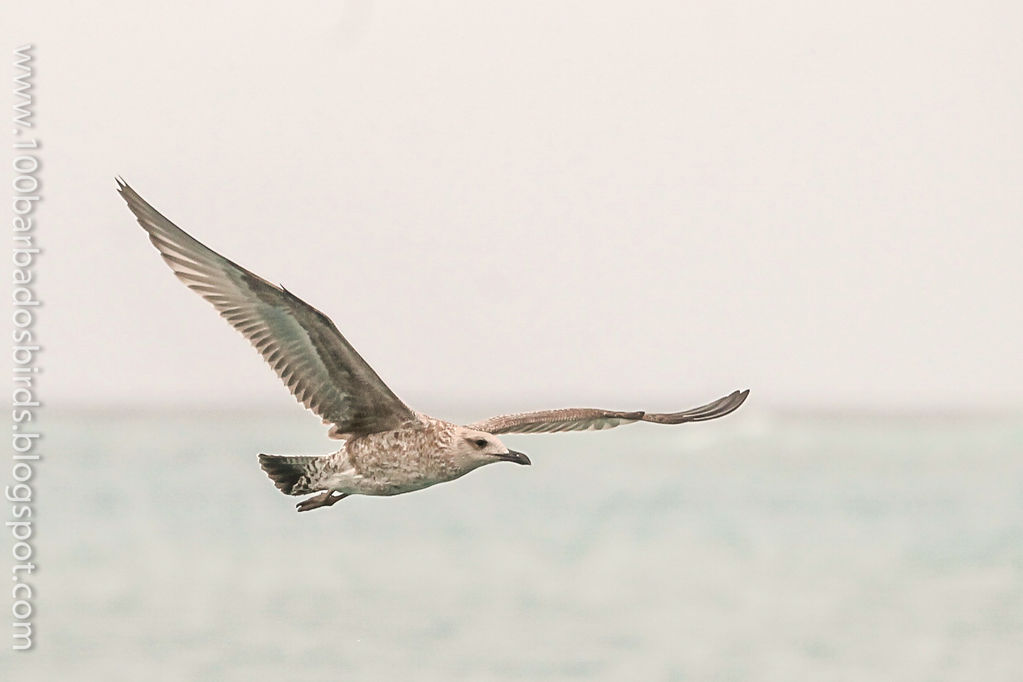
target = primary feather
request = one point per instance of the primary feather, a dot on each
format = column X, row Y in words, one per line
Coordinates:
column 300, row 343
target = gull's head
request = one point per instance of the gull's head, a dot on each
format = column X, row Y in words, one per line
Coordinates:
column 478, row 448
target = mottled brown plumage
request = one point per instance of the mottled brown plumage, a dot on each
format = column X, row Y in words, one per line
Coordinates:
column 594, row 419
column 389, row 449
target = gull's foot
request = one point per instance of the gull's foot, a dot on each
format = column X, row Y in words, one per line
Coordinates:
column 324, row 499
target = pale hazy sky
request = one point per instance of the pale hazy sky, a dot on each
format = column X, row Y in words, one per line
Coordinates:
column 537, row 204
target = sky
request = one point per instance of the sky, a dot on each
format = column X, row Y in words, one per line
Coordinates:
column 519, row 205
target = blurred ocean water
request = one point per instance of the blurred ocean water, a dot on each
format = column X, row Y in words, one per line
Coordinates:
column 747, row 549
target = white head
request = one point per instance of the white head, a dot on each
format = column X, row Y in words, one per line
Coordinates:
column 473, row 449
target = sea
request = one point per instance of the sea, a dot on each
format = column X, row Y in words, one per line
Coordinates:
column 758, row 547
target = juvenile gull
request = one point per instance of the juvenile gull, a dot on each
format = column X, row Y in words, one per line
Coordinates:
column 389, row 448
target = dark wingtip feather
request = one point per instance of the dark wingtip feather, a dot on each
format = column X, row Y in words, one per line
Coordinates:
column 719, row 408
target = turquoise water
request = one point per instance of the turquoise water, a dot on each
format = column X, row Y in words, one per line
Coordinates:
column 752, row 548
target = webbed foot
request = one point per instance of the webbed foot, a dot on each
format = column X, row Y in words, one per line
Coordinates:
column 324, row 499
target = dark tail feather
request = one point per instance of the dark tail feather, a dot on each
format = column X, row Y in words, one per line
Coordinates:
column 287, row 472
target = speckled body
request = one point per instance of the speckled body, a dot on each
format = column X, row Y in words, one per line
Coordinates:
column 389, row 448
column 417, row 455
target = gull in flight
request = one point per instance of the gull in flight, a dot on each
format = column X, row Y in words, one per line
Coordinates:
column 388, row 447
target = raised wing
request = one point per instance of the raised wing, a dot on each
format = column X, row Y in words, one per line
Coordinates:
column 587, row 419
column 300, row 343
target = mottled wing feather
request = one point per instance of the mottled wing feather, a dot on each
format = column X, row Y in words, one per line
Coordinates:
column 300, row 343
column 588, row 419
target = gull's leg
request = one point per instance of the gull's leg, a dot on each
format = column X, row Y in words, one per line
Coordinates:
column 324, row 499
column 315, row 501
column 336, row 498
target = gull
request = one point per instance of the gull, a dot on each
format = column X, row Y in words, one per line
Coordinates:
column 388, row 447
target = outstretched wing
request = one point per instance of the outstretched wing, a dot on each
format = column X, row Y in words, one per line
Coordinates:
column 299, row 342
column 586, row 419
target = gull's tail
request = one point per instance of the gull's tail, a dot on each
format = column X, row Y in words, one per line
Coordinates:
column 292, row 475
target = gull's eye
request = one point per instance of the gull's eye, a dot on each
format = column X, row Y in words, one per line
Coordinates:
column 480, row 443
